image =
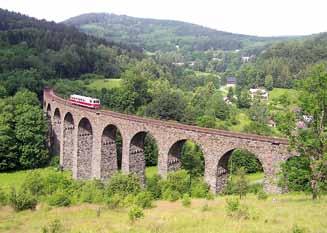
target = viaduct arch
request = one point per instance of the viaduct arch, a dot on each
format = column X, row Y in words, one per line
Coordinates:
column 86, row 144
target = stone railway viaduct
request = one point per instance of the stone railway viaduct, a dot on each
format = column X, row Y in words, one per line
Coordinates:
column 85, row 140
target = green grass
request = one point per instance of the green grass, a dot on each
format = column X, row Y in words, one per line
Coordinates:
column 151, row 171
column 292, row 94
column 243, row 119
column 15, row 179
column 280, row 213
column 98, row 84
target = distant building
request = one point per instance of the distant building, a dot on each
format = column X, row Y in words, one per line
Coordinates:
column 231, row 82
column 178, row 63
column 259, row 93
column 245, row 59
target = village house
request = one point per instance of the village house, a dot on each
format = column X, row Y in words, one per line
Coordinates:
column 231, row 82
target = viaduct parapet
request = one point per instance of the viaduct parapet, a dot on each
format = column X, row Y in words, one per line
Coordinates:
column 86, row 142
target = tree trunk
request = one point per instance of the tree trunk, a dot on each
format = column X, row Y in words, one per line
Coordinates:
column 314, row 186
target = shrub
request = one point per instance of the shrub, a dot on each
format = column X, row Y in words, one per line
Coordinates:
column 34, row 183
column 114, row 201
column 243, row 158
column 171, row 195
column 123, row 185
column 199, row 189
column 22, row 200
column 3, row 198
column 178, row 181
column 92, row 192
column 235, row 209
column 232, row 205
column 135, row 213
column 129, row 200
column 54, row 227
column 55, row 181
column 241, row 183
column 144, row 200
column 262, row 195
column 186, row 201
column 59, row 198
column 154, row 186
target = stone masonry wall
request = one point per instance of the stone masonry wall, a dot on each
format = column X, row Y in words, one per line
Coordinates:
column 93, row 152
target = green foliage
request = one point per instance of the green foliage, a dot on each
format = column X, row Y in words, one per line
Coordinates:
column 245, row 159
column 171, row 195
column 178, row 181
column 192, row 159
column 297, row 229
column 23, row 134
column 34, row 183
column 135, row 213
column 55, row 226
column 114, row 201
column 154, row 186
column 236, row 210
column 186, row 200
column 59, row 198
column 122, row 185
column 296, row 174
column 150, row 151
column 92, row 192
column 241, row 183
column 199, row 189
column 22, row 200
column 3, row 197
column 144, row 200
column 262, row 195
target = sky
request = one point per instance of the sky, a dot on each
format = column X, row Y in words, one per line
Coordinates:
column 252, row 17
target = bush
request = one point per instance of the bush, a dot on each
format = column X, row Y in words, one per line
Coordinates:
column 3, row 198
column 232, row 205
column 144, row 200
column 178, row 181
column 22, row 200
column 123, row 185
column 92, row 192
column 55, row 181
column 154, row 186
column 243, row 158
column 199, row 189
column 114, row 201
column 34, row 183
column 129, row 200
column 59, row 198
column 135, row 213
column 171, row 195
column 262, row 195
column 186, row 201
column 54, row 227
column 241, row 183
column 205, row 207
column 235, row 209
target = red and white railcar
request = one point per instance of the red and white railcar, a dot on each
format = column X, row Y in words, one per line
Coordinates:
column 85, row 101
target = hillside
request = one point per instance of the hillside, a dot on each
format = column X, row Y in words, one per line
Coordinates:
column 32, row 51
column 163, row 35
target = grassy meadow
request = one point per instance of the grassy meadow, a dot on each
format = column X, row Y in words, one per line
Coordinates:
column 288, row 213
column 279, row 214
column 98, row 84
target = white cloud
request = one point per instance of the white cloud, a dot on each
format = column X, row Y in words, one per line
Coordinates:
column 256, row 17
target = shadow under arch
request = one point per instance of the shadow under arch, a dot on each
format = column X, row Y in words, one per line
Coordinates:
column 68, row 142
column 56, row 125
column 111, row 151
column 223, row 169
column 84, row 149
column 137, row 160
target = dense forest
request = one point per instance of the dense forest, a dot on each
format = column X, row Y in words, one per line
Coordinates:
column 165, row 35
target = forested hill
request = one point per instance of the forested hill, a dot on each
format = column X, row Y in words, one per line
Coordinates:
column 34, row 50
column 164, row 35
